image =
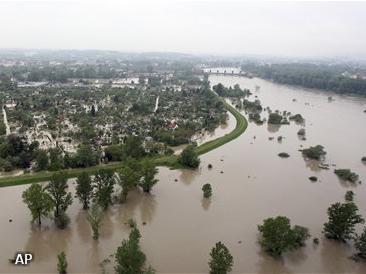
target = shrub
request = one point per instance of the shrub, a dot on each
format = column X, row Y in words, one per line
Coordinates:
column 313, row 178
column 277, row 236
column 349, row 196
column 189, row 157
column 315, row 153
column 207, row 190
column 297, row 118
column 346, row 175
column 342, row 221
column 283, row 155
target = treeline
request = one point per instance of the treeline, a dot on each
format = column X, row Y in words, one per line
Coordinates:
column 15, row 153
column 235, row 91
column 324, row 77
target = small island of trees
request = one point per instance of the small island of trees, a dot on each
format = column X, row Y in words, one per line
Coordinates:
column 347, row 175
column 277, row 236
column 277, row 119
column 315, row 153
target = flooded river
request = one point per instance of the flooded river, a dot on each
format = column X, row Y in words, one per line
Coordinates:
column 181, row 227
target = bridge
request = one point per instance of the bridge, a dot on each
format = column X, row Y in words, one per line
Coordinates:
column 227, row 71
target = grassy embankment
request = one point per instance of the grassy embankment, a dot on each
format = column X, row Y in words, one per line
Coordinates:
column 170, row 161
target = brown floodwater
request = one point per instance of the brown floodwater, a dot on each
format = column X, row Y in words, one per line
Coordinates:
column 181, row 227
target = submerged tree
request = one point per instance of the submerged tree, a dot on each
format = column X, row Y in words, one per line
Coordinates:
column 104, row 182
column 129, row 177
column 349, row 196
column 315, row 153
column 221, row 261
column 277, row 236
column 342, row 221
column 129, row 257
column 38, row 201
column 207, row 190
column 57, row 188
column 94, row 218
column 148, row 176
column 189, row 157
column 61, row 263
column 84, row 189
column 360, row 244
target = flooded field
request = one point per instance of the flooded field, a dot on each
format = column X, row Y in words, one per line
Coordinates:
column 181, row 227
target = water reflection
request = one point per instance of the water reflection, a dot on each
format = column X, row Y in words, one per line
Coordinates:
column 268, row 264
column 313, row 165
column 273, row 128
column 187, row 175
column 106, row 227
column 297, row 257
column 205, row 202
column 147, row 208
column 45, row 242
column 83, row 226
column 347, row 184
column 331, row 249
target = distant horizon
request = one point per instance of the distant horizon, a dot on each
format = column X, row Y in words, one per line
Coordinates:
column 193, row 54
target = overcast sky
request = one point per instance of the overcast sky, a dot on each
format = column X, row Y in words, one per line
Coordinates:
column 219, row 27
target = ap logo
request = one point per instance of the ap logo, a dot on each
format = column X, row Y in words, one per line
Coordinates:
column 22, row 258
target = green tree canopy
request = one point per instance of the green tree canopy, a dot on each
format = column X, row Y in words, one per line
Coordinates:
column 129, row 257
column 277, row 236
column 207, row 190
column 42, row 160
column 221, row 261
column 57, row 188
column 148, row 176
column 94, row 218
column 104, row 182
column 61, row 263
column 189, row 157
column 342, row 219
column 84, row 189
column 129, row 177
column 38, row 201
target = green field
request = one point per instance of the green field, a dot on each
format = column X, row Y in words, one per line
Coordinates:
column 170, row 161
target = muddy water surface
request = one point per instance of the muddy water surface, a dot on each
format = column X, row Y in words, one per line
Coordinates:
column 181, row 227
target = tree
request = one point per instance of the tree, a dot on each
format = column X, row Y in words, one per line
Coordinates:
column 129, row 257
column 84, row 189
column 148, row 176
column 342, row 221
column 275, row 119
column 104, row 182
column 129, row 177
column 57, row 188
column 277, row 236
column 315, row 153
column 133, row 147
column 114, row 153
column 207, row 190
column 221, row 261
column 189, row 157
column 38, row 201
column 85, row 156
column 94, row 218
column 349, row 196
column 61, row 263
column 360, row 244
column 56, row 159
column 93, row 112
column 42, row 160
